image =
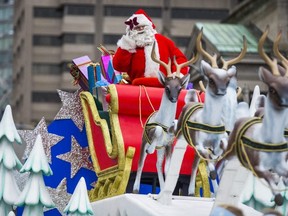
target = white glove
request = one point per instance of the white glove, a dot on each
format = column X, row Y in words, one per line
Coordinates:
column 127, row 43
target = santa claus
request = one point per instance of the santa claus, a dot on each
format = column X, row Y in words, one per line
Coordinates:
column 134, row 51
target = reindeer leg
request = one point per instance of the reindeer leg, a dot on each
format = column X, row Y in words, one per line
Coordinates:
column 165, row 195
column 159, row 163
column 282, row 167
column 285, row 181
column 213, row 176
column 191, row 188
column 272, row 180
column 141, row 161
column 168, row 153
column 158, row 134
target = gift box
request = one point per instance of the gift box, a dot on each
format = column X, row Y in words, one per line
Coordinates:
column 79, row 71
column 95, row 77
column 109, row 73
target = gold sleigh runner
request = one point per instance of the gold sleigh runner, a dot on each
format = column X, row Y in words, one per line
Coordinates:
column 113, row 180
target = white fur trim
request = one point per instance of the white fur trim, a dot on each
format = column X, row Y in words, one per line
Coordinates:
column 151, row 67
column 127, row 43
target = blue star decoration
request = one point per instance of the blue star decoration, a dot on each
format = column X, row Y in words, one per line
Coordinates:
column 66, row 168
column 73, row 146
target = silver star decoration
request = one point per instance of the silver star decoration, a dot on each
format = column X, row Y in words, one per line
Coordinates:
column 60, row 196
column 71, row 108
column 21, row 178
column 78, row 157
column 48, row 139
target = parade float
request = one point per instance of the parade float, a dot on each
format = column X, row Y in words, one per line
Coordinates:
column 109, row 144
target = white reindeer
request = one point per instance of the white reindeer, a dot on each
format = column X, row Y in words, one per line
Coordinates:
column 260, row 142
column 201, row 125
column 158, row 131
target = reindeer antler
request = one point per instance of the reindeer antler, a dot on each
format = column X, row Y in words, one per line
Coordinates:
column 184, row 64
column 238, row 58
column 271, row 63
column 213, row 59
column 278, row 54
column 166, row 66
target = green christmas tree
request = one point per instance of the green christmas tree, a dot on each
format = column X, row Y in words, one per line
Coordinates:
column 9, row 162
column 79, row 204
column 34, row 195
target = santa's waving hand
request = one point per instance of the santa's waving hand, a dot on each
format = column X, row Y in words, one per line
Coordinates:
column 134, row 50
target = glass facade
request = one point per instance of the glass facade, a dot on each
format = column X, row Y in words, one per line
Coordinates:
column 6, row 50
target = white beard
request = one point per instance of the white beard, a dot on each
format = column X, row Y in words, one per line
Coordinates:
column 151, row 67
column 145, row 39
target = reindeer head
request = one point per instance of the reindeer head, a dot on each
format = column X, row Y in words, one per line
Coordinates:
column 277, row 81
column 173, row 83
column 218, row 78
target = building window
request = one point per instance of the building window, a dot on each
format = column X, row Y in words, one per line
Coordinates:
column 6, row 28
column 6, row 13
column 44, row 68
column 5, row 57
column 194, row 13
column 81, row 10
column 6, row 43
column 47, row 12
column 111, row 38
column 127, row 11
column 45, row 97
column 45, row 40
column 78, row 38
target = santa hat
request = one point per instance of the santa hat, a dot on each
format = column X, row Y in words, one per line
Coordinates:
column 139, row 18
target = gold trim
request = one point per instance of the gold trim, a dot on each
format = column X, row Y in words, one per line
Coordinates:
column 115, row 125
column 202, row 180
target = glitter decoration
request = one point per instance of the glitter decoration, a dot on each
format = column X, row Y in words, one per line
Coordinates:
column 21, row 178
column 78, row 157
column 48, row 139
column 60, row 196
column 71, row 108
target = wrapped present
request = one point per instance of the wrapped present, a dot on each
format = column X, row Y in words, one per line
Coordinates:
column 109, row 73
column 114, row 76
column 79, row 71
column 94, row 76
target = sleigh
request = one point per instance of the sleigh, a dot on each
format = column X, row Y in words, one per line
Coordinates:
column 114, row 139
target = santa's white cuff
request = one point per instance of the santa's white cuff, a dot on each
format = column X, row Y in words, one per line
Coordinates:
column 127, row 43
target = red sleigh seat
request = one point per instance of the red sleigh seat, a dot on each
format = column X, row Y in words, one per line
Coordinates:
column 132, row 106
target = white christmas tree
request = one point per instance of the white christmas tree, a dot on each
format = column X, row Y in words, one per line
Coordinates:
column 79, row 204
column 34, row 195
column 9, row 162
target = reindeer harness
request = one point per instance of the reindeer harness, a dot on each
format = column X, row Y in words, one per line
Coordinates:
column 192, row 125
column 245, row 142
column 148, row 126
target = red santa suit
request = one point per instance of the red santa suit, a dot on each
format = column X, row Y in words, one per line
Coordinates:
column 136, row 60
